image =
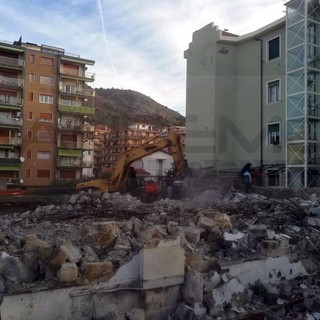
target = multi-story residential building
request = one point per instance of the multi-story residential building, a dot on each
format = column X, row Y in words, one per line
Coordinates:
column 100, row 133
column 117, row 143
column 45, row 101
column 255, row 98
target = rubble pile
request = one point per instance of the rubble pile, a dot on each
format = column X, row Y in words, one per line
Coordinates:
column 247, row 256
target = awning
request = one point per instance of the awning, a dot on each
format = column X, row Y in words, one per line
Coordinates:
column 69, row 153
column 9, row 168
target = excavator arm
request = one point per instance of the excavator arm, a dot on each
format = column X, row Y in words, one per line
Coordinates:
column 118, row 181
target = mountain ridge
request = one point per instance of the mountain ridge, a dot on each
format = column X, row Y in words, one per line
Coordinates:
column 117, row 108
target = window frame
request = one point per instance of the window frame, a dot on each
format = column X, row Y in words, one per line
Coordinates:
column 268, row 51
column 44, row 120
column 267, row 135
column 49, row 153
column 48, row 77
column 46, row 96
column 38, row 136
column 267, row 92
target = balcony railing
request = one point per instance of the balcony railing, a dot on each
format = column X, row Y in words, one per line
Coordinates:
column 76, row 109
column 69, row 163
column 87, row 76
column 7, row 121
column 69, row 145
column 70, row 127
column 10, row 141
column 11, row 101
column 9, row 161
column 11, row 63
column 87, row 92
column 11, row 82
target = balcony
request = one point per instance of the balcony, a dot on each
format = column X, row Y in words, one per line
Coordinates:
column 11, row 63
column 69, row 162
column 10, row 161
column 72, row 74
column 10, row 122
column 74, row 91
column 69, row 145
column 6, row 82
column 10, row 141
column 12, row 103
column 70, row 127
column 76, row 109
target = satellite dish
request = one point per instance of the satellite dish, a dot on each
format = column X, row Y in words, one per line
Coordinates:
column 22, row 159
column 21, row 181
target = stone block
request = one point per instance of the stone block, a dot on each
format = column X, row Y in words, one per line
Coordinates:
column 162, row 266
column 68, row 272
column 184, row 312
column 58, row 259
column 96, row 270
column 73, row 252
column 192, row 234
column 192, row 289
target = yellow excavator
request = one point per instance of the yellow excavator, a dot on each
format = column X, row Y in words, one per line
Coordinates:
column 118, row 182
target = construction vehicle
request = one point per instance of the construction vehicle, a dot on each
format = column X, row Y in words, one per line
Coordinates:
column 123, row 174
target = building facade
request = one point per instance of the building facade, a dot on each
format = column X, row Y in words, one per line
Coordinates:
column 254, row 98
column 44, row 102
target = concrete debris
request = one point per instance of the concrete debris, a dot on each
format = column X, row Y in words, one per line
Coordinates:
column 247, row 256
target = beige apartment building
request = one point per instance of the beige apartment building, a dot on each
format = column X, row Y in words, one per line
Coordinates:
column 255, row 98
column 45, row 104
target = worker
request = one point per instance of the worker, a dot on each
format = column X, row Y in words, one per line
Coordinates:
column 246, row 175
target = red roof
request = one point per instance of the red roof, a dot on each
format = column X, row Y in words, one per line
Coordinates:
column 141, row 171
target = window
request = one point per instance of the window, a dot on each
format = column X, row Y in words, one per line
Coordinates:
column 29, row 135
column 273, row 47
column 273, row 134
column 69, row 89
column 45, row 117
column 273, row 91
column 47, row 61
column 66, row 102
column 46, row 80
column 31, row 77
column 45, row 99
column 30, row 96
column 43, row 173
column 44, row 155
column 30, row 115
column 28, row 173
column 32, row 58
column 29, row 154
column 44, row 136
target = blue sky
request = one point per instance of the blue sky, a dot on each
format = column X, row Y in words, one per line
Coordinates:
column 137, row 44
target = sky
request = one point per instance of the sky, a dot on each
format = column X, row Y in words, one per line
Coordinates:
column 136, row 44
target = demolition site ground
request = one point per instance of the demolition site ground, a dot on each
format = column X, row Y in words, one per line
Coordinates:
column 245, row 256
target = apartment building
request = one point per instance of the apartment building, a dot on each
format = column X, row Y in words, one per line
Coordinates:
column 45, row 103
column 255, row 98
column 119, row 142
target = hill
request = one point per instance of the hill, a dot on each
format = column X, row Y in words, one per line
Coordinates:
column 117, row 108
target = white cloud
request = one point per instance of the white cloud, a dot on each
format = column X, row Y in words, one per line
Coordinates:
column 136, row 44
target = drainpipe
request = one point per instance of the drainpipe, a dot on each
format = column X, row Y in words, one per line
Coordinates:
column 261, row 103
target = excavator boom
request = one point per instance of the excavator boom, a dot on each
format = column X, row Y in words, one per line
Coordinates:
column 118, row 181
